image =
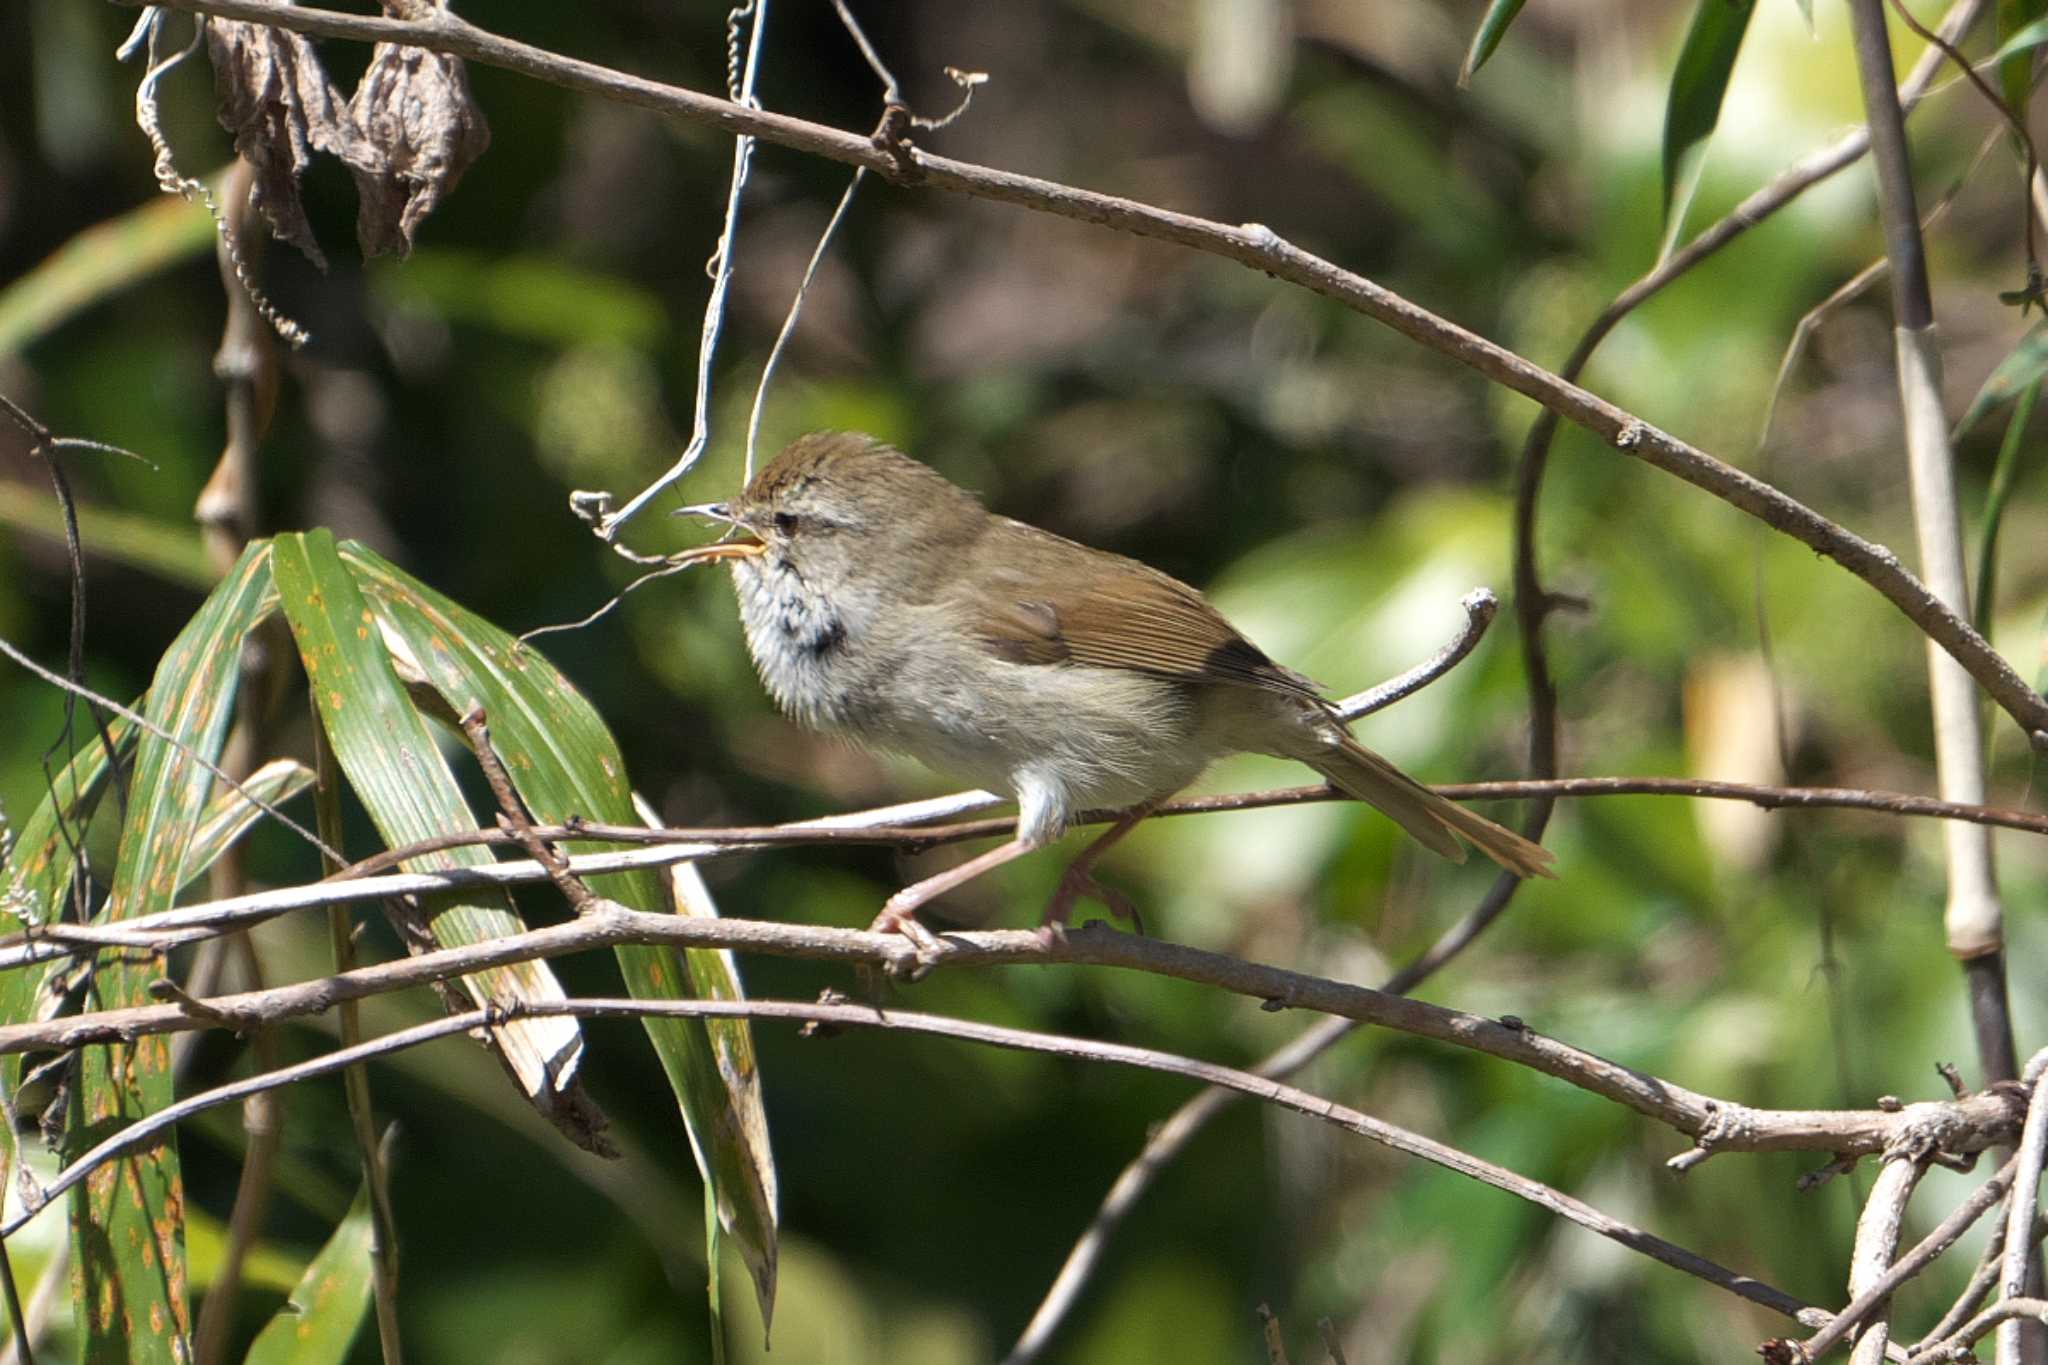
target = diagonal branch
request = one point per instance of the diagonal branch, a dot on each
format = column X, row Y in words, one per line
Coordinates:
column 1956, row 1127
column 1251, row 244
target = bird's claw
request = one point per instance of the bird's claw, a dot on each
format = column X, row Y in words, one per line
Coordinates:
column 1077, row 882
column 929, row 946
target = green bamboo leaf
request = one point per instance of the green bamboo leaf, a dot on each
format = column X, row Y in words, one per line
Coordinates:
column 390, row 759
column 2021, row 369
column 2020, row 44
column 231, row 814
column 1493, row 26
column 36, row 882
column 44, row 860
column 564, row 762
column 173, row 552
column 102, row 260
column 728, row 1136
column 127, row 1230
column 319, row 1323
column 2003, row 476
column 2016, row 73
column 1698, row 84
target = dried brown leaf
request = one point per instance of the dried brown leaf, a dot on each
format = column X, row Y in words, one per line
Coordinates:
column 277, row 101
column 421, row 129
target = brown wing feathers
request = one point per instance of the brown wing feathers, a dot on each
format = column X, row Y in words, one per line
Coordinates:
column 1142, row 619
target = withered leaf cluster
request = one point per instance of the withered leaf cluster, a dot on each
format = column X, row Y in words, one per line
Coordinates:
column 406, row 135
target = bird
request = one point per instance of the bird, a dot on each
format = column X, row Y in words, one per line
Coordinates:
column 884, row 603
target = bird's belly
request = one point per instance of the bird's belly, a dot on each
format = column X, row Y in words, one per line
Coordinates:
column 1105, row 738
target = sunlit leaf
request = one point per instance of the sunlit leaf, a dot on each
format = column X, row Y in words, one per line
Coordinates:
column 2016, row 73
column 2021, row 43
column 2003, row 476
column 738, row 1164
column 231, row 813
column 1493, row 26
column 127, row 1229
column 564, row 762
column 102, row 260
column 395, row 768
column 2021, row 369
column 533, row 297
column 1698, row 84
column 320, row 1322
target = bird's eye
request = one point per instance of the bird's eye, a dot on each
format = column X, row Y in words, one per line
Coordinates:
column 785, row 522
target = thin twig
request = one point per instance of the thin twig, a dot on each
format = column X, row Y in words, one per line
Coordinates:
column 1998, row 1315
column 514, row 819
column 1877, row 1243
column 2015, row 1271
column 796, row 303
column 1480, row 606
column 134, row 717
column 1924, row 1253
column 740, row 80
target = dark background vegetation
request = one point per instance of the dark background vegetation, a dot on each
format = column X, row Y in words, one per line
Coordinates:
column 1334, row 487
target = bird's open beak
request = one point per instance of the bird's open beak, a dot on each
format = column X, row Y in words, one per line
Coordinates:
column 746, row 547
column 721, row 549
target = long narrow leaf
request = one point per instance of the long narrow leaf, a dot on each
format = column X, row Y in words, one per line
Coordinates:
column 1698, row 84
column 2016, row 73
column 391, row 761
column 1493, row 26
column 2022, row 42
column 320, row 1322
column 127, row 1227
column 564, row 762
column 36, row 883
column 2021, row 369
column 231, row 814
column 2003, row 476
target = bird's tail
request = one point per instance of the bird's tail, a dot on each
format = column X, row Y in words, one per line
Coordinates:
column 1436, row 822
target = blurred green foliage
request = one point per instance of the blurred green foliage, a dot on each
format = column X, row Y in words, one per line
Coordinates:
column 1337, row 489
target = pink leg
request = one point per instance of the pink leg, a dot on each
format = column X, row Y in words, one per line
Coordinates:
column 1079, row 878
column 899, row 913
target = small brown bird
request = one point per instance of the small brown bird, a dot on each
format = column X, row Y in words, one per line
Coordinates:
column 886, row 604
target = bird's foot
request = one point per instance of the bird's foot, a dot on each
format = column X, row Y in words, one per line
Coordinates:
column 1079, row 881
column 902, row 919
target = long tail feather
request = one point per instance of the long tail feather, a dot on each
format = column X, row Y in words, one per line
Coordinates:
column 1437, row 823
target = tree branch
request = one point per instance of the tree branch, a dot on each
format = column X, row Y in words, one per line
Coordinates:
column 1251, row 244
column 1957, row 1127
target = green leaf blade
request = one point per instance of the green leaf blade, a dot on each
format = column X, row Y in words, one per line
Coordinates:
column 320, row 1322
column 1699, row 83
column 2016, row 63
column 127, row 1218
column 396, row 769
column 564, row 761
column 1493, row 26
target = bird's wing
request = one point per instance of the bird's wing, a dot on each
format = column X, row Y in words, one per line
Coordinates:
column 1035, row 598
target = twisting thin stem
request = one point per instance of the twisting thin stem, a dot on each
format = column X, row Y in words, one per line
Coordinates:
column 740, row 83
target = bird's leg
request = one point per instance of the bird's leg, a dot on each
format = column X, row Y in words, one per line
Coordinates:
column 899, row 912
column 1079, row 878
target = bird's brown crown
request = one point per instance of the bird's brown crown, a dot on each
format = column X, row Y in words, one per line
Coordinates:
column 845, row 459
